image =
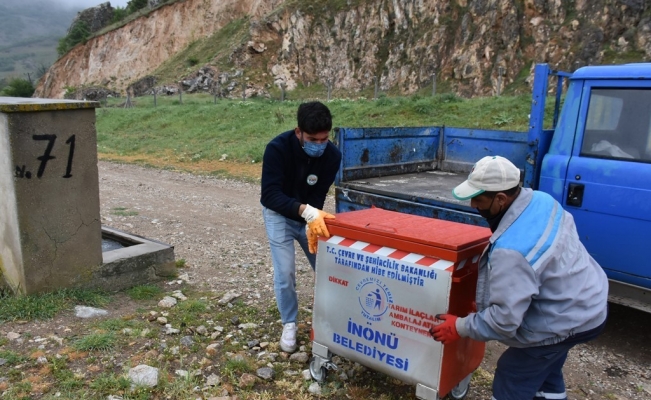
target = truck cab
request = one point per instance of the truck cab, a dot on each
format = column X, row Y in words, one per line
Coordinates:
column 598, row 167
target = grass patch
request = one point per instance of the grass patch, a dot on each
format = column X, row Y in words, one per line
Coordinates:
column 117, row 324
column 144, row 292
column 180, row 263
column 11, row 357
column 96, row 341
column 107, row 384
column 123, row 212
column 194, row 135
column 47, row 305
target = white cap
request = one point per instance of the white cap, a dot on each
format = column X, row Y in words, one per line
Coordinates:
column 490, row 174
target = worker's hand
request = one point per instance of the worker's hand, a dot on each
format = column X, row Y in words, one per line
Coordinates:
column 315, row 220
column 446, row 332
column 312, row 240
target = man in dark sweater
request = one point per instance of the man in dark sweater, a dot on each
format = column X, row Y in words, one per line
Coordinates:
column 299, row 166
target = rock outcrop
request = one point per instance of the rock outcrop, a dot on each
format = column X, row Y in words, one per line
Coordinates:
column 95, row 18
column 403, row 44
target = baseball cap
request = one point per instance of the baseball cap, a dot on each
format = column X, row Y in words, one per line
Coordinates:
column 490, row 174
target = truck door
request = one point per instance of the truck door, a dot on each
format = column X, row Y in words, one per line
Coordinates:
column 608, row 186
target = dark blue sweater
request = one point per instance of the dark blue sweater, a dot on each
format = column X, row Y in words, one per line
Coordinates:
column 285, row 172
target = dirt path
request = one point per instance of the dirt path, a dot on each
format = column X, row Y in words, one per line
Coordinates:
column 216, row 225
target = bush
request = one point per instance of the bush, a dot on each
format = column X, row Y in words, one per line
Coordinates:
column 193, row 60
column 18, row 87
column 119, row 13
column 135, row 5
column 79, row 33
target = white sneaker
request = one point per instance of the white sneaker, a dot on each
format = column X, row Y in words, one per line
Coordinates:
column 288, row 339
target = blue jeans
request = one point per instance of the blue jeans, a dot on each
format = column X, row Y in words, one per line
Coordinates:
column 536, row 372
column 282, row 232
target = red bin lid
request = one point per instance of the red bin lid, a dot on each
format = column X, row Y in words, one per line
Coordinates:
column 427, row 236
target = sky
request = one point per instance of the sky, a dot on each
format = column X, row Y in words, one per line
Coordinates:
column 82, row 4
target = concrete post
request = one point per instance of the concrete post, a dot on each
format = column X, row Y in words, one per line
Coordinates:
column 329, row 83
column 50, row 230
column 433, row 83
column 375, row 91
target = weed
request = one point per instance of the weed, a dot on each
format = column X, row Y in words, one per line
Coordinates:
column 192, row 61
column 280, row 117
column 449, row 98
column 11, row 358
column 180, row 263
column 193, row 306
column 145, row 292
column 117, row 324
column 123, row 212
column 236, row 366
column 502, row 119
column 107, row 384
column 95, row 341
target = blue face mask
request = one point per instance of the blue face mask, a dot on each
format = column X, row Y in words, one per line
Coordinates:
column 314, row 149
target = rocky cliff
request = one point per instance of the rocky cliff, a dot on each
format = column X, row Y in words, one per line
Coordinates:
column 401, row 43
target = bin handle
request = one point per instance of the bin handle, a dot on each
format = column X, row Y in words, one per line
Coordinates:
column 378, row 227
column 457, row 279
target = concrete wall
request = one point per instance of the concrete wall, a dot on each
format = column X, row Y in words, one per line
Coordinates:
column 10, row 252
column 50, row 232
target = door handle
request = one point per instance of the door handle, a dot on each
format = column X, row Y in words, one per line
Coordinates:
column 575, row 195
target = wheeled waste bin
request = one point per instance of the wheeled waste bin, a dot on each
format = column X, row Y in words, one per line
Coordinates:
column 381, row 278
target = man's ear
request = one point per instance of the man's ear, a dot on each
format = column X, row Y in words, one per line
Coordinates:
column 502, row 198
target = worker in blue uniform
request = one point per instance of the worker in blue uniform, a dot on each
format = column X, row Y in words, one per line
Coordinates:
column 538, row 290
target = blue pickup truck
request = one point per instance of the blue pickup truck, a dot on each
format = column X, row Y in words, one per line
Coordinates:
column 596, row 161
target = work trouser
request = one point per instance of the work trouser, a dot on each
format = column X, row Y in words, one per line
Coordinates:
column 536, row 372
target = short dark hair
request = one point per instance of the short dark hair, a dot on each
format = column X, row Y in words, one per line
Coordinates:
column 509, row 192
column 314, row 117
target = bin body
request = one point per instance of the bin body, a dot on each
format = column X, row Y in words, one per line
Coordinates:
column 380, row 280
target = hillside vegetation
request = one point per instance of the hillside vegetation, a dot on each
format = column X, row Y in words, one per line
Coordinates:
column 230, row 136
column 29, row 30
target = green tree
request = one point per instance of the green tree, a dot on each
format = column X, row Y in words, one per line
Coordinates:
column 18, row 87
column 119, row 13
column 135, row 5
column 79, row 33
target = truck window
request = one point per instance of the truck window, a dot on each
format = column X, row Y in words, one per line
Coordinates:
column 618, row 124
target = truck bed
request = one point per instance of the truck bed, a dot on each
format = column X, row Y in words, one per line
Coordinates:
column 434, row 187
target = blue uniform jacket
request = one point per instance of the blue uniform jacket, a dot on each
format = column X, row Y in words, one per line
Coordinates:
column 537, row 283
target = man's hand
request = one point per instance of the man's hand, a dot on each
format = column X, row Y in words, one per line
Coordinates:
column 312, row 240
column 315, row 220
column 446, row 332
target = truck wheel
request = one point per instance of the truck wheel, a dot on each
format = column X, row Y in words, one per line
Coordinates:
column 460, row 391
column 317, row 373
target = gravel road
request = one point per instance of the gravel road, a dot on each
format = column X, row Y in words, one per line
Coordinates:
column 216, row 226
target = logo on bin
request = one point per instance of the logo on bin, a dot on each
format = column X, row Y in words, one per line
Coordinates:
column 374, row 298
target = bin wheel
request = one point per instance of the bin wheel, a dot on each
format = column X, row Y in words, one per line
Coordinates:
column 317, row 372
column 460, row 391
